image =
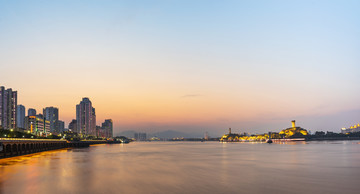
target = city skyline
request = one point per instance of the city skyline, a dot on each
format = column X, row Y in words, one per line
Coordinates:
column 153, row 67
column 47, row 123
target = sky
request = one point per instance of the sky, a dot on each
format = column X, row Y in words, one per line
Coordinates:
column 190, row 66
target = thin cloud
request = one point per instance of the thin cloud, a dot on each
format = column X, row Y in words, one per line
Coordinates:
column 191, row 96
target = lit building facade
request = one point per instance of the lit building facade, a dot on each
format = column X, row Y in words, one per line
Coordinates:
column 352, row 129
column 20, row 116
column 86, row 118
column 37, row 125
column 52, row 114
column 8, row 104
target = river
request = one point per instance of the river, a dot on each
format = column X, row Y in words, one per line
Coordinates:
column 187, row 167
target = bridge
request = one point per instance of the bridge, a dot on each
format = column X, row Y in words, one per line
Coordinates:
column 20, row 146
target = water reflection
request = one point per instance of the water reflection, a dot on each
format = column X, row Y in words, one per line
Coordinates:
column 187, row 167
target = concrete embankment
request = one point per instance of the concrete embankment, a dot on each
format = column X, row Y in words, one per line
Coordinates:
column 10, row 147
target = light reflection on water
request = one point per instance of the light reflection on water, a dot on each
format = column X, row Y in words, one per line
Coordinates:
column 188, row 167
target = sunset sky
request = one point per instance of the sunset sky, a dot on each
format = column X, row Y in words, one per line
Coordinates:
column 191, row 66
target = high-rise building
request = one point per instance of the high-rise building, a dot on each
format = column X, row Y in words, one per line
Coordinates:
column 107, row 127
column 85, row 117
column 20, row 117
column 31, row 112
column 8, row 103
column 73, row 126
column 93, row 122
column 51, row 114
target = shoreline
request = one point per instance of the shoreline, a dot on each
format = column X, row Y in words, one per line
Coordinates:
column 334, row 139
column 20, row 147
column 87, row 144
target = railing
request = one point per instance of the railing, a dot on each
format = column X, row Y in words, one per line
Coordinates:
column 29, row 139
column 94, row 140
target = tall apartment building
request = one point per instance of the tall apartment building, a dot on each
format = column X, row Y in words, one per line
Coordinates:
column 86, row 118
column 52, row 114
column 107, row 128
column 20, row 117
column 93, row 122
column 8, row 103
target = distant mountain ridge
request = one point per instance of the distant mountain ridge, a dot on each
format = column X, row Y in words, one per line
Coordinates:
column 162, row 134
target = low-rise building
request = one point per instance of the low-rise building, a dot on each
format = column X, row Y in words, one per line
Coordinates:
column 352, row 129
column 37, row 125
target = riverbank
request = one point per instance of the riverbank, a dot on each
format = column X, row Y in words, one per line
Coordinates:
column 333, row 139
column 10, row 147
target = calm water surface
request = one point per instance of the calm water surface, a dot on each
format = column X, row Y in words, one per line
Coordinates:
column 188, row 167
